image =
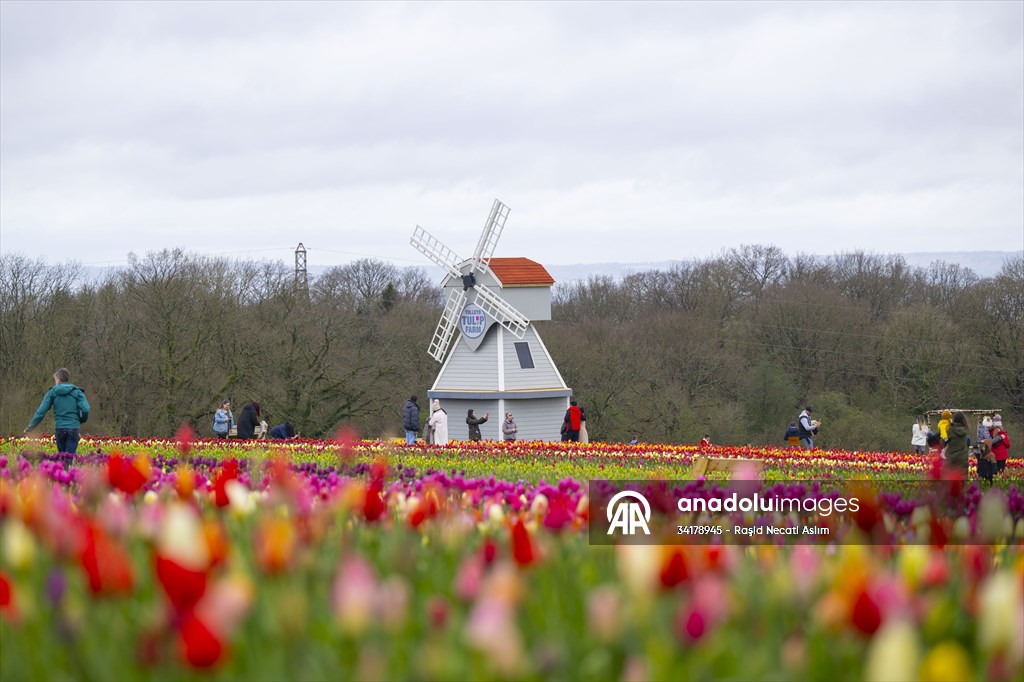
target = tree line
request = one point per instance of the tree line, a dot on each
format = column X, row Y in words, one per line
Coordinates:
column 734, row 345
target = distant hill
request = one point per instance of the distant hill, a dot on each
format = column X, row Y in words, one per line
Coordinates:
column 983, row 263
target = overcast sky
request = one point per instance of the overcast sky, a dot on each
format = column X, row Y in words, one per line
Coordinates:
column 615, row 132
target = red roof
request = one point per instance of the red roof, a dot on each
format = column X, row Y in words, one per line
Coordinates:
column 520, row 272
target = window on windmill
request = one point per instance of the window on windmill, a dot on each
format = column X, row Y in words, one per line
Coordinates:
column 525, row 357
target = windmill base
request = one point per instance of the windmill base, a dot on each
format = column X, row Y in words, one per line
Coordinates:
column 538, row 414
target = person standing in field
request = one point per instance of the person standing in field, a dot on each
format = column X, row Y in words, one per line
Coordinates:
column 1000, row 443
column 986, row 458
column 509, row 428
column 808, row 428
column 573, row 420
column 249, row 420
column 792, row 435
column 985, row 430
column 411, row 419
column 956, row 447
column 438, row 423
column 474, row 423
column 223, row 420
column 919, row 436
column 70, row 411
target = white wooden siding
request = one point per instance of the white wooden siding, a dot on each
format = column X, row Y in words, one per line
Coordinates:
column 457, row 427
column 538, row 418
column 543, row 375
column 534, row 301
column 469, row 370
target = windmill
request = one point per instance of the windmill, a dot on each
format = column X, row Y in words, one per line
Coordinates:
column 493, row 359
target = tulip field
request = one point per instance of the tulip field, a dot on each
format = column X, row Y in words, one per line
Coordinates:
column 372, row 560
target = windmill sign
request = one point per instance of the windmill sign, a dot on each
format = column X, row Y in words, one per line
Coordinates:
column 473, row 321
column 492, row 358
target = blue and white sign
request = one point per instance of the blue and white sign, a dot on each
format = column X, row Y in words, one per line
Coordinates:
column 472, row 322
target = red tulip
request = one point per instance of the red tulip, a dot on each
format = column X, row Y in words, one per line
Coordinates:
column 228, row 472
column 184, row 587
column 418, row 514
column 939, row 535
column 106, row 564
column 201, row 648
column 937, row 571
column 7, row 498
column 866, row 615
column 490, row 551
column 437, row 611
column 976, row 562
column 522, row 547
column 7, row 605
column 379, row 469
column 433, row 496
column 128, row 475
column 347, row 439
column 673, row 570
column 184, row 436
column 867, row 515
column 373, row 505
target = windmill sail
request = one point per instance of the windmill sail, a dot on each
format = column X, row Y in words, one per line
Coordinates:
column 431, row 247
column 493, row 305
column 497, row 308
column 446, row 327
column 490, row 236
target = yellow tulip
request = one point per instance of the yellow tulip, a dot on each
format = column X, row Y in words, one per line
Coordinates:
column 19, row 547
column 947, row 662
column 894, row 654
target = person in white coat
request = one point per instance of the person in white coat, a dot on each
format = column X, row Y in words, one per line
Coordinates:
column 919, row 436
column 438, row 423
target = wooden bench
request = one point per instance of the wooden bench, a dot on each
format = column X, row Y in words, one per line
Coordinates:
column 702, row 466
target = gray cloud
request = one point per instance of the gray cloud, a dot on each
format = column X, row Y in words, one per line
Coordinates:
column 628, row 132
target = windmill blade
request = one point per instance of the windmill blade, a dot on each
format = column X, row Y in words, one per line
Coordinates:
column 445, row 331
column 490, row 236
column 439, row 254
column 500, row 310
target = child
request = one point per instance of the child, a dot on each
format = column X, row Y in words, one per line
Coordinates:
column 1000, row 443
column 944, row 422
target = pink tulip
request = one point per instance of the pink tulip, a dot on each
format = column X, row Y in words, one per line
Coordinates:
column 354, row 595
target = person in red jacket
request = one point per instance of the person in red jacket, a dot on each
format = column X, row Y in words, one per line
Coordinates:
column 573, row 418
column 1000, row 443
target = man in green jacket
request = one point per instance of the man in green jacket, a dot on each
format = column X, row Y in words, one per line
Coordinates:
column 70, row 411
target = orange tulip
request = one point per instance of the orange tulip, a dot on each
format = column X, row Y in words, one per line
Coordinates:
column 276, row 541
column 184, row 481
